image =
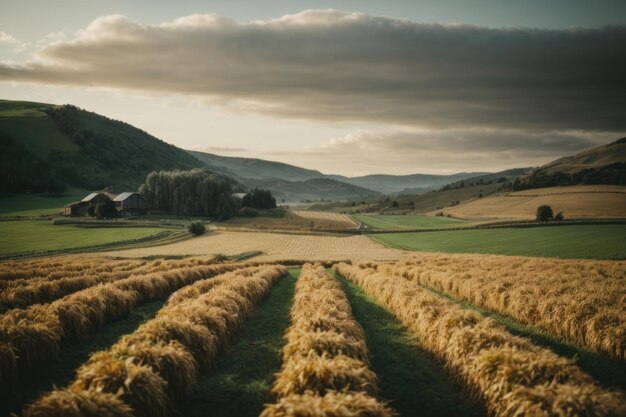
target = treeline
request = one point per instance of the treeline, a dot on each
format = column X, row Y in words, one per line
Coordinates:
column 613, row 174
column 199, row 192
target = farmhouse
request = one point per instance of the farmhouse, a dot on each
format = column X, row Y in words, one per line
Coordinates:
column 126, row 203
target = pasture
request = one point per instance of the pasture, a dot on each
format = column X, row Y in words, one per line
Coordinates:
column 180, row 337
column 29, row 236
column 581, row 241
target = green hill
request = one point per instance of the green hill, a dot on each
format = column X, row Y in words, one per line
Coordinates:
column 46, row 148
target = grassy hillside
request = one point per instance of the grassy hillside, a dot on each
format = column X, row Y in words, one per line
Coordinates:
column 45, row 148
column 580, row 201
column 600, row 165
column 589, row 242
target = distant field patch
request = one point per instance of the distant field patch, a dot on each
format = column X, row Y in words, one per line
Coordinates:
column 400, row 222
column 37, row 236
column 275, row 247
column 588, row 241
column 580, row 201
column 295, row 220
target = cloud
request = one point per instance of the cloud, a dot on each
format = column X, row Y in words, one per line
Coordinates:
column 442, row 151
column 6, row 38
column 333, row 66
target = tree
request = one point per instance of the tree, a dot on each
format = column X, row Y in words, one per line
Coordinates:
column 544, row 213
column 395, row 204
column 105, row 208
column 559, row 216
column 225, row 208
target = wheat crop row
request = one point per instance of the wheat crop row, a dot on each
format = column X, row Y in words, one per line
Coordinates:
column 325, row 360
column 15, row 270
column 511, row 376
column 31, row 337
column 27, row 292
column 583, row 302
column 147, row 372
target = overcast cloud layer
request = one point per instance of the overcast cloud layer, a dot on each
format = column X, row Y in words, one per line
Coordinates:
column 329, row 65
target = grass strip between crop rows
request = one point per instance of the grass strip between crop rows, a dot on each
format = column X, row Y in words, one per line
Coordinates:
column 30, row 338
column 510, row 375
column 325, row 361
column 147, row 372
column 583, row 303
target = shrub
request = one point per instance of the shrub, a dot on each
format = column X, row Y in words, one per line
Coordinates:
column 559, row 216
column 196, row 228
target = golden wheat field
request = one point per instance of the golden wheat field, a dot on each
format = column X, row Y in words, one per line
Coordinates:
column 275, row 247
column 326, row 359
column 576, row 202
column 296, row 220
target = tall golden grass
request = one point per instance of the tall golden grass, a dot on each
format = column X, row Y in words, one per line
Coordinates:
column 148, row 371
column 512, row 376
column 583, row 302
column 31, row 337
column 325, row 360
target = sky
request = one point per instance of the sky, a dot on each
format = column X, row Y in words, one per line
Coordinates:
column 344, row 87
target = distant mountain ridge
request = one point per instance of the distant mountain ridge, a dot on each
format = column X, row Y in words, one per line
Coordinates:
column 258, row 169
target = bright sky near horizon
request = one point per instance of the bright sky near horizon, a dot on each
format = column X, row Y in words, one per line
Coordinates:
column 348, row 87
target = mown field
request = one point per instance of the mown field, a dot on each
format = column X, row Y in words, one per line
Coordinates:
column 576, row 202
column 409, row 221
column 28, row 236
column 433, row 333
column 581, row 241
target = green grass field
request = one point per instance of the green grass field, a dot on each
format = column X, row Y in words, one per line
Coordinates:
column 38, row 204
column 400, row 222
column 37, row 236
column 585, row 241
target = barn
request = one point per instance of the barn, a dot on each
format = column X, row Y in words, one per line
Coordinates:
column 126, row 203
column 129, row 204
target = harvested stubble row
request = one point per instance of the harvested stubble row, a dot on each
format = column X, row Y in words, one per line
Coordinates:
column 11, row 271
column 325, row 361
column 583, row 302
column 31, row 337
column 148, row 371
column 25, row 292
column 512, row 376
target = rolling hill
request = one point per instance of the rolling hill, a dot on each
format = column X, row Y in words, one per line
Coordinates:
column 46, row 148
column 393, row 184
column 312, row 189
column 604, row 164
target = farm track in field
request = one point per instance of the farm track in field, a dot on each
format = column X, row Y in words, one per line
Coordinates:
column 61, row 371
column 409, row 378
column 241, row 380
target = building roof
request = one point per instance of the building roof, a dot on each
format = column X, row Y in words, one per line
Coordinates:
column 91, row 197
column 124, row 196
column 239, row 195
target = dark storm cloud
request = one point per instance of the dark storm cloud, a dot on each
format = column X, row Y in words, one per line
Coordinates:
column 328, row 65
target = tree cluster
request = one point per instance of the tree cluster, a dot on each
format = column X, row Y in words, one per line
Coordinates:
column 198, row 192
column 259, row 199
